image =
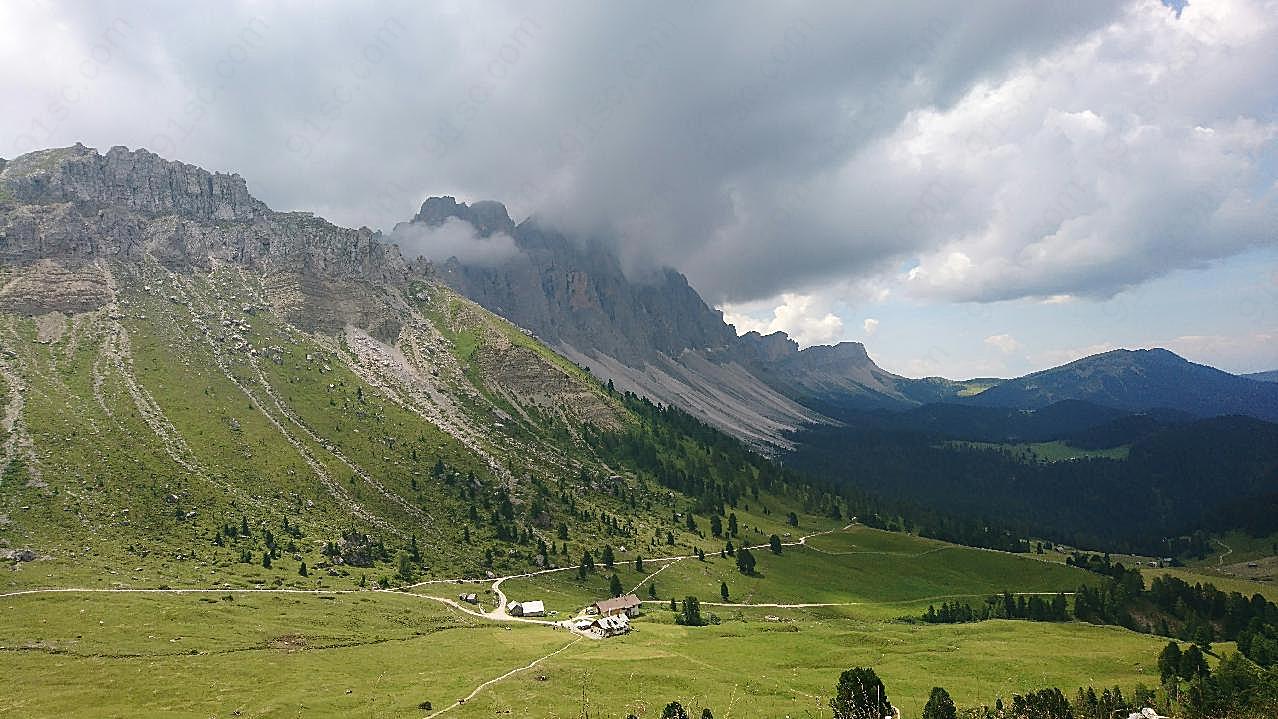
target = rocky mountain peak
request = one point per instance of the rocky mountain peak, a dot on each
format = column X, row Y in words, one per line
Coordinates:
column 768, row 348
column 137, row 180
column 487, row 216
column 67, row 213
column 841, row 352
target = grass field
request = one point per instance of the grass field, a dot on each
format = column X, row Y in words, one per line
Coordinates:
column 259, row 655
column 1227, row 577
column 374, row 654
column 1057, row 451
column 282, row 655
column 886, row 573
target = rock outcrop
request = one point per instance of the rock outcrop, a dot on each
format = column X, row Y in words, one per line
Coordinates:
column 575, row 293
column 64, row 211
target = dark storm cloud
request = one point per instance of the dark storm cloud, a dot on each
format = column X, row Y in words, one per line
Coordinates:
column 759, row 147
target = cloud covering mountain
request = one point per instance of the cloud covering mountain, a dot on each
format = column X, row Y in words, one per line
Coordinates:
column 1000, row 151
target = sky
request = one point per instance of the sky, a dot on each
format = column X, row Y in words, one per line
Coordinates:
column 976, row 190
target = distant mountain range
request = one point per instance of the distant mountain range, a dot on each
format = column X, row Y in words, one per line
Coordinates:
column 1270, row 376
column 659, row 338
column 1136, row 380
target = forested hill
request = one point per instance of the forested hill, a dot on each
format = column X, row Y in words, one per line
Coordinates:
column 1219, row 473
column 1138, row 380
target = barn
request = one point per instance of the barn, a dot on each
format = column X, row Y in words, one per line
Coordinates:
column 627, row 604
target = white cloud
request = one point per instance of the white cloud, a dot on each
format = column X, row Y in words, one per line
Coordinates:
column 804, row 317
column 1134, row 151
column 1246, row 352
column 1056, row 357
column 870, row 325
column 453, row 238
column 1003, row 343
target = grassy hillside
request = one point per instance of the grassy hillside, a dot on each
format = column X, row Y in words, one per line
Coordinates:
column 147, row 436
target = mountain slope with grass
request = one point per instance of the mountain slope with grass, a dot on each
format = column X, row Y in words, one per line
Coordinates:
column 198, row 391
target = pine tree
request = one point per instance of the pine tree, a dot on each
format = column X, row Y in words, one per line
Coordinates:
column 940, row 705
column 860, row 694
column 1060, row 608
column 405, row 568
column 266, row 560
column 639, row 565
column 1193, row 663
column 608, row 558
column 732, row 524
column 775, row 543
column 614, row 586
column 301, row 569
column 745, row 562
column 723, row 590
column 691, row 614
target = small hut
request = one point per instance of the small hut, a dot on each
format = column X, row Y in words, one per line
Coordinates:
column 533, row 608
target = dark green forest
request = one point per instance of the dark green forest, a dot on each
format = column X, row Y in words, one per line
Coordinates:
column 1216, row 474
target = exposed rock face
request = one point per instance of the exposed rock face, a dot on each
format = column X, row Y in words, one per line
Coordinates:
column 654, row 336
column 575, row 293
column 140, row 181
column 52, row 286
column 63, row 211
column 842, row 373
column 486, row 216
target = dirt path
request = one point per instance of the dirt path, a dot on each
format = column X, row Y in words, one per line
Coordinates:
column 494, row 680
column 200, row 590
column 1220, row 561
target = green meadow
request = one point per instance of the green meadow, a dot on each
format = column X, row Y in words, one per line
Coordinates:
column 385, row 653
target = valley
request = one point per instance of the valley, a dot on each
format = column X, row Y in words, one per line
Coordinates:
column 254, row 464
